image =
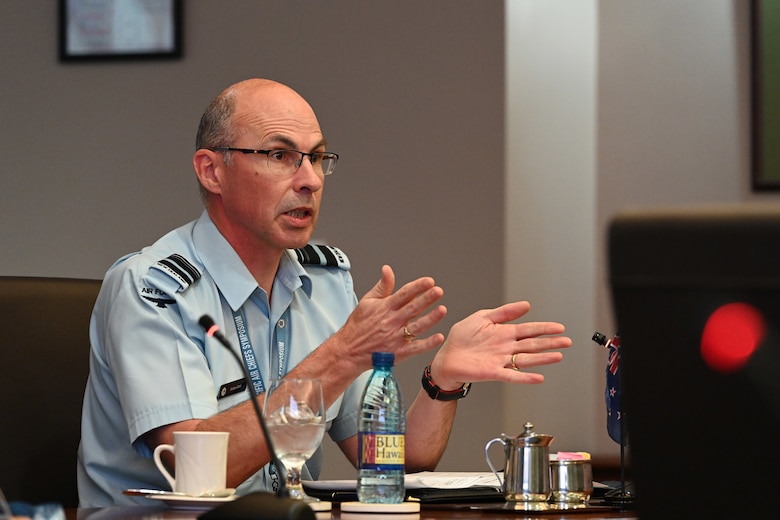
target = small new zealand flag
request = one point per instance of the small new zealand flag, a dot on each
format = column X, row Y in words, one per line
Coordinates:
column 612, row 391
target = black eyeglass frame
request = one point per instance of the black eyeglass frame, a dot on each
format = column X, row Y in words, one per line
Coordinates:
column 311, row 156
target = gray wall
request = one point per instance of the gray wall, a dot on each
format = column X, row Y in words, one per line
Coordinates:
column 97, row 157
column 484, row 149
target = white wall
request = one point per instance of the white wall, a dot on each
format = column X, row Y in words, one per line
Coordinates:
column 550, row 204
column 611, row 104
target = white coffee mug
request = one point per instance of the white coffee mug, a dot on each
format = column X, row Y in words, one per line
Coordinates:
column 201, row 462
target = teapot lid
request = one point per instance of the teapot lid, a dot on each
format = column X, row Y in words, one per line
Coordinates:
column 531, row 438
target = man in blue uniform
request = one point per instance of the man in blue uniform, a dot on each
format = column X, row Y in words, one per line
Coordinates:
column 288, row 306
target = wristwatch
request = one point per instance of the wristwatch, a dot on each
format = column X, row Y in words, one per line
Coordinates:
column 434, row 392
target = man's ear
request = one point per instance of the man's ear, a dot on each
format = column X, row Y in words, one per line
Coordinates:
column 208, row 167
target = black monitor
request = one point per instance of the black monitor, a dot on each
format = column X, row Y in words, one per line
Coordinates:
column 703, row 428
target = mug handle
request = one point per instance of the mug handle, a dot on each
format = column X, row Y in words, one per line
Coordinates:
column 487, row 458
column 157, row 451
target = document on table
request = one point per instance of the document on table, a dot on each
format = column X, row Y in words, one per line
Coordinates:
column 423, row 479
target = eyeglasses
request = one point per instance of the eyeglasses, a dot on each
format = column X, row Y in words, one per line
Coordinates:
column 285, row 162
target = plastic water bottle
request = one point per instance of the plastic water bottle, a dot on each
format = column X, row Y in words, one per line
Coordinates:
column 381, row 435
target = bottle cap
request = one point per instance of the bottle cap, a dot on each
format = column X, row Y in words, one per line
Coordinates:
column 385, row 359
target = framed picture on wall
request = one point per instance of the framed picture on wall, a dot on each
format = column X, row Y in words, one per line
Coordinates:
column 119, row 29
column 765, row 31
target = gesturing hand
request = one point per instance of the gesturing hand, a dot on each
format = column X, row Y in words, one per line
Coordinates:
column 382, row 317
column 485, row 347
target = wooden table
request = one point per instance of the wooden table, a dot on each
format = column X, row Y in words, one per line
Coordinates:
column 437, row 512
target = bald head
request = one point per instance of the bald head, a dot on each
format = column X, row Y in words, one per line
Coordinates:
column 245, row 104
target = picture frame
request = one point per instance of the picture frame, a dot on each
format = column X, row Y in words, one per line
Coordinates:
column 765, row 94
column 115, row 30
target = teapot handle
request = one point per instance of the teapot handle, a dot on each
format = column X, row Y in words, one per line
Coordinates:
column 487, row 458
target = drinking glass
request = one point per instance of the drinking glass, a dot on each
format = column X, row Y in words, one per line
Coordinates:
column 294, row 414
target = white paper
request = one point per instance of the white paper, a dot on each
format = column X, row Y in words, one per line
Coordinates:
column 451, row 480
column 423, row 479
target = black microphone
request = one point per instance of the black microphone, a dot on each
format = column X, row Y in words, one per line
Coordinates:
column 258, row 505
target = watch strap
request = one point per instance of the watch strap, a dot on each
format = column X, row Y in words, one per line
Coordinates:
column 434, row 392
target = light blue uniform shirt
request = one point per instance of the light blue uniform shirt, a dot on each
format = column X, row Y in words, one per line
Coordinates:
column 151, row 363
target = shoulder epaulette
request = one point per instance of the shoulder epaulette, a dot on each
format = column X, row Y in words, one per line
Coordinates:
column 180, row 269
column 327, row 256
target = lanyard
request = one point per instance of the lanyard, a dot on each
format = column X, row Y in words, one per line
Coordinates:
column 248, row 352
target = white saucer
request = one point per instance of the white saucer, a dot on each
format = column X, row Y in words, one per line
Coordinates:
column 321, row 505
column 192, row 503
column 378, row 516
column 363, row 507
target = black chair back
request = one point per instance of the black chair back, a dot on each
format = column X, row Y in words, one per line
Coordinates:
column 44, row 363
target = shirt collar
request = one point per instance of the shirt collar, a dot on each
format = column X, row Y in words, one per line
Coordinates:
column 229, row 273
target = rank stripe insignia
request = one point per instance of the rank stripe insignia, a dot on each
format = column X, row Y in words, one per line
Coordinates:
column 180, row 268
column 328, row 256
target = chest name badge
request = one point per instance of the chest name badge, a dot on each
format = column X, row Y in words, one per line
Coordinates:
column 233, row 387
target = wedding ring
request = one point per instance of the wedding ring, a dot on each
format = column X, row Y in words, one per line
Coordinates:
column 408, row 336
column 514, row 367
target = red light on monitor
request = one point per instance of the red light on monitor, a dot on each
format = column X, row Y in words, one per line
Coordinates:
column 731, row 335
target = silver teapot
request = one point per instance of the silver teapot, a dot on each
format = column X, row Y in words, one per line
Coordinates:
column 526, row 467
